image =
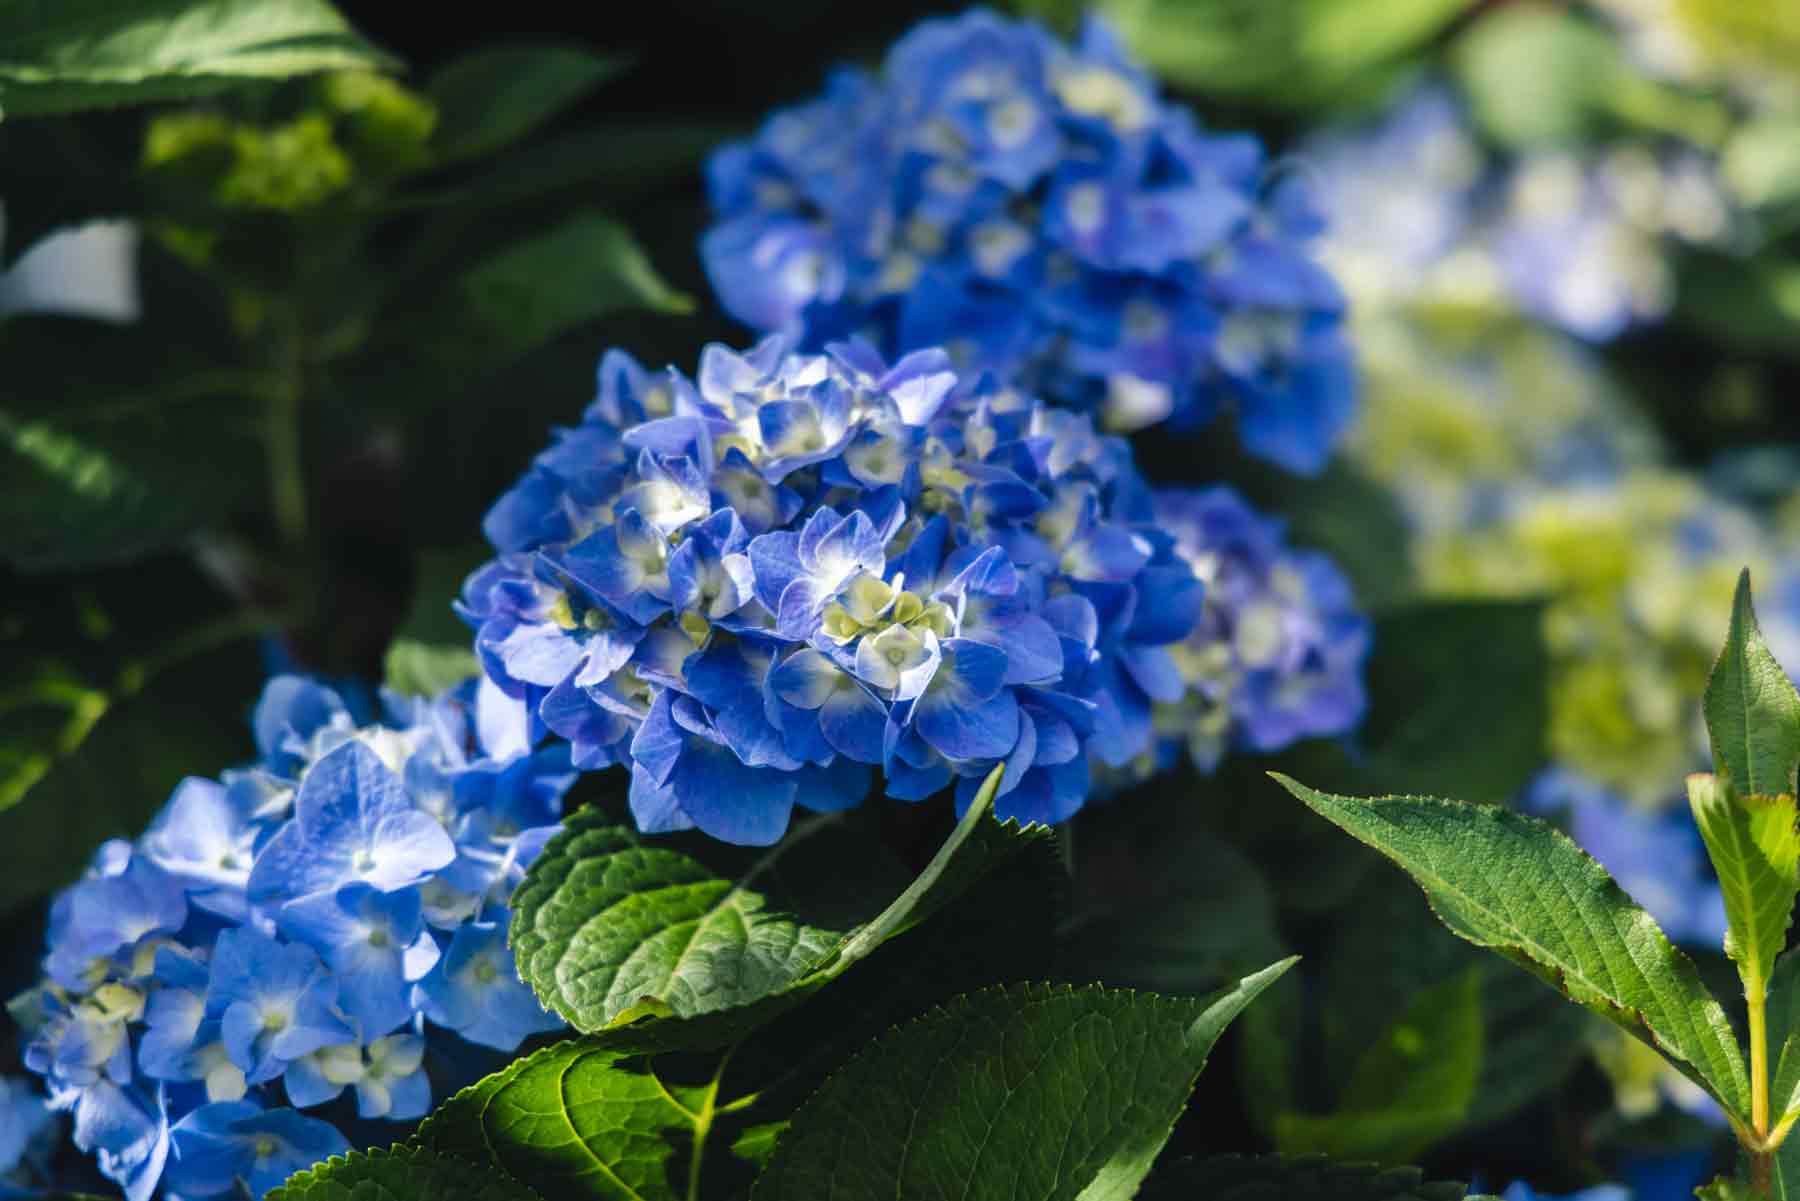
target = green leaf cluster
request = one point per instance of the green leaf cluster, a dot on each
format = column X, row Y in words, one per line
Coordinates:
column 1516, row 886
column 332, row 262
column 689, row 979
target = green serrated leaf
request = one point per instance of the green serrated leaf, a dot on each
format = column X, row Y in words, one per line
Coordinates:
column 1412, row 1087
column 1783, row 1016
column 421, row 669
column 1752, row 709
column 1292, row 1178
column 399, row 1174
column 1031, row 1091
column 571, row 1121
column 492, row 97
column 60, row 56
column 1518, row 886
column 1755, row 849
column 523, row 296
column 618, row 934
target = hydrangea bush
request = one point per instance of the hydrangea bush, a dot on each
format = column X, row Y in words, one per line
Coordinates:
column 920, row 682
column 1036, row 208
column 312, row 924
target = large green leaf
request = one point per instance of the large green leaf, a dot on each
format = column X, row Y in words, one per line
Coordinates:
column 398, row 1174
column 1752, row 709
column 572, row 1121
column 1784, row 1038
column 58, row 56
column 1755, row 849
column 1411, row 1087
column 1292, row 1178
column 620, row 934
column 497, row 95
column 1291, row 55
column 1537, row 74
column 1032, row 1091
column 530, row 292
column 1517, row 885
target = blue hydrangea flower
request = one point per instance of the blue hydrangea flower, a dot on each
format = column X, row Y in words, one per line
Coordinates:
column 271, row 940
column 798, row 577
column 1520, row 1191
column 1037, row 209
column 25, row 1121
column 475, row 990
column 221, row 1146
column 1278, row 652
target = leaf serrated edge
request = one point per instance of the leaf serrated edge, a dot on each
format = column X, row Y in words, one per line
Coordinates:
column 1046, row 990
column 1552, row 974
column 405, row 1155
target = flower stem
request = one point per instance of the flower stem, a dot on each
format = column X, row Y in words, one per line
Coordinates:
column 1756, row 1000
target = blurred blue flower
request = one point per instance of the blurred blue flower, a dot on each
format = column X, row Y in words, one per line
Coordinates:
column 1580, row 240
column 811, row 573
column 25, row 1120
column 1037, row 209
column 1520, row 1191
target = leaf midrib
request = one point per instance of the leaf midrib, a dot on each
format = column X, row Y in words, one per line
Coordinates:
column 1541, row 954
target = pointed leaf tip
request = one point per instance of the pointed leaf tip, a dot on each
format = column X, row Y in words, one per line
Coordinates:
column 1752, row 709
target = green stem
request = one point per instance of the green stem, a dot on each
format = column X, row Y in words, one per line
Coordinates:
column 1761, row 1162
column 1758, row 1004
column 709, row 1109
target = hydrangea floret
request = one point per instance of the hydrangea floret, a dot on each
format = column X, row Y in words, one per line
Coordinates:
column 1036, row 208
column 1278, row 653
column 292, row 931
column 800, row 575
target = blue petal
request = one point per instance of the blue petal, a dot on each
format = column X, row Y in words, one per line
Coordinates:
column 749, row 806
column 962, row 728
column 852, row 721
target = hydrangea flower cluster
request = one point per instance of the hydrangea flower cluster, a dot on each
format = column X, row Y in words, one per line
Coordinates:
column 1038, row 210
column 1419, row 212
column 291, row 931
column 796, row 574
column 1278, row 652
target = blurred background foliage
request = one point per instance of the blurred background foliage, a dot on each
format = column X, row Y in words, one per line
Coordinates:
column 353, row 265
